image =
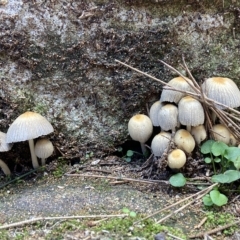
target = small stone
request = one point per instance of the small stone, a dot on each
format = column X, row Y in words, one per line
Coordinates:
column 160, row 236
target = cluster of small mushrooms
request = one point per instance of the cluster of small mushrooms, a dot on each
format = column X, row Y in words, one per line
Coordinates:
column 28, row 126
column 182, row 118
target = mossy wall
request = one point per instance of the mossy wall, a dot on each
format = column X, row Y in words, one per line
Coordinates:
column 57, row 58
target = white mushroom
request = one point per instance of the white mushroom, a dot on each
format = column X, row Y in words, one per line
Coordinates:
column 43, row 149
column 153, row 113
column 168, row 117
column 140, row 129
column 184, row 140
column 4, row 147
column 190, row 112
column 221, row 133
column 172, row 95
column 176, row 159
column 160, row 142
column 199, row 133
column 28, row 126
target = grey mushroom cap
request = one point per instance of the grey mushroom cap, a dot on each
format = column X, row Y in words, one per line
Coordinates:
column 4, row 146
column 168, row 117
column 175, row 96
column 160, row 142
column 191, row 112
column 153, row 113
column 222, row 90
column 28, row 125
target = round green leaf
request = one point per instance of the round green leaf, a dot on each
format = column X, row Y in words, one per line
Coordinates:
column 218, row 148
column 218, row 198
column 130, row 153
column 217, row 160
column 125, row 210
column 233, row 175
column 207, row 201
column 208, row 160
column 232, row 153
column 177, row 180
column 128, row 159
column 206, row 147
column 236, row 163
column 132, row 214
column 220, row 178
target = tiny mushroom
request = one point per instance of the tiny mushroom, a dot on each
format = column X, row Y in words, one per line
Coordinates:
column 160, row 142
column 184, row 140
column 140, row 129
column 168, row 117
column 28, row 126
column 191, row 112
column 174, row 96
column 153, row 113
column 199, row 133
column 221, row 133
column 43, row 149
column 4, row 147
column 176, row 159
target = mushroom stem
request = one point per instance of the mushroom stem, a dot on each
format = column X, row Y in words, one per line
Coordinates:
column 33, row 155
column 43, row 161
column 5, row 168
column 189, row 128
column 144, row 149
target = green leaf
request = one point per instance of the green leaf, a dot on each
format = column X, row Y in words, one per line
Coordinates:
column 130, row 153
column 128, row 159
column 132, row 214
column 220, row 178
column 218, row 198
column 237, row 163
column 232, row 153
column 218, row 148
column 208, row 160
column 217, row 160
column 177, row 180
column 207, row 200
column 125, row 210
column 233, row 175
column 206, row 147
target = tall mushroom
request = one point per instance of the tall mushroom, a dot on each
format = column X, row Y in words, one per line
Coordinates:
column 4, row 147
column 140, row 129
column 28, row 126
column 43, row 149
column 168, row 117
column 175, row 96
column 222, row 90
column 190, row 112
column 153, row 113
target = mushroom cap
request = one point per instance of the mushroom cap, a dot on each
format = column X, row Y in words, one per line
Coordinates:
column 221, row 133
column 174, row 96
column 4, row 147
column 43, row 148
column 190, row 112
column 140, row 128
column 160, row 142
column 28, row 125
column 153, row 113
column 168, row 117
column 232, row 140
column 222, row 90
column 176, row 159
column 199, row 133
column 184, row 140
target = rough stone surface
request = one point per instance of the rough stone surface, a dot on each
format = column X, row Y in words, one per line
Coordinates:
column 57, row 58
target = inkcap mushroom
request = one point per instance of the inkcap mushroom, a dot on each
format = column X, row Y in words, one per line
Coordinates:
column 160, row 142
column 43, row 149
column 199, row 133
column 28, row 126
column 221, row 133
column 184, row 140
column 176, row 159
column 140, row 129
column 153, row 113
column 4, row 147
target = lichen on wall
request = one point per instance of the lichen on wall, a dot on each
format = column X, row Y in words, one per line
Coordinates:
column 57, row 58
